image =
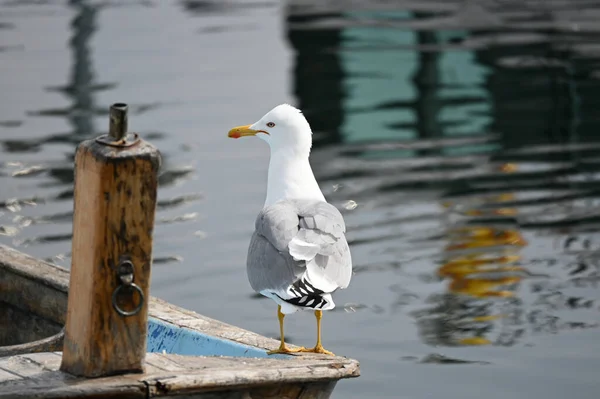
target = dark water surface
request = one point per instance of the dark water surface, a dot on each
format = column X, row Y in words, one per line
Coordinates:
column 461, row 139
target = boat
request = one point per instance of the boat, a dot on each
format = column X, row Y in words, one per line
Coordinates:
column 187, row 353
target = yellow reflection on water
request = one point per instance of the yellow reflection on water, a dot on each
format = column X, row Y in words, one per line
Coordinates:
column 481, row 265
column 474, row 341
column 483, row 287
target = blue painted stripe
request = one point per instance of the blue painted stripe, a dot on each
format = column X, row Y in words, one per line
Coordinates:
column 163, row 336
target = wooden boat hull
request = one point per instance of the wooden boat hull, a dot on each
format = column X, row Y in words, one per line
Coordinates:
column 190, row 354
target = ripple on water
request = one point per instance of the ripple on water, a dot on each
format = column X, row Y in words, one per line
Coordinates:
column 495, row 290
column 459, row 139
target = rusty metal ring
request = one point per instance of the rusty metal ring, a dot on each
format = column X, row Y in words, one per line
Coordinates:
column 137, row 309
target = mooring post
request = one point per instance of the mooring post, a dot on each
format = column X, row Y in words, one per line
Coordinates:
column 114, row 206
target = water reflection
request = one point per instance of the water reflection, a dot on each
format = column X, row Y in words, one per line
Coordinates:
column 481, row 262
column 316, row 59
column 215, row 7
column 441, row 83
column 459, row 136
column 80, row 90
column 82, row 115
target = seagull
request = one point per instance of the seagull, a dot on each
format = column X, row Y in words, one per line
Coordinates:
column 298, row 254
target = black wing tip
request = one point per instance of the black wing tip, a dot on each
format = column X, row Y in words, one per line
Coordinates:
column 306, row 295
column 307, row 301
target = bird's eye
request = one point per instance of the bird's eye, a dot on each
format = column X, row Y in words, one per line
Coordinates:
column 270, row 124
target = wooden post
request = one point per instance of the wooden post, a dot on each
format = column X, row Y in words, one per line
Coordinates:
column 114, row 206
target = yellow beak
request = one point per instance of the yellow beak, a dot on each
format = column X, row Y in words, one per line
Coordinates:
column 241, row 131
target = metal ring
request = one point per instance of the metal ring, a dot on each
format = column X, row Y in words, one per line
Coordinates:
column 129, row 140
column 137, row 308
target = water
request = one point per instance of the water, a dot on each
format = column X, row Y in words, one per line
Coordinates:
column 460, row 139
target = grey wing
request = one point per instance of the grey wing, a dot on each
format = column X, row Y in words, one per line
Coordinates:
column 278, row 224
column 269, row 264
column 321, row 244
column 268, row 268
column 296, row 238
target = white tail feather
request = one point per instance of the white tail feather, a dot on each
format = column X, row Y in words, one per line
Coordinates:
column 302, row 250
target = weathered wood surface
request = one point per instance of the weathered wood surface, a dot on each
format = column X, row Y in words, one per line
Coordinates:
column 33, row 286
column 305, row 376
column 15, row 263
column 50, row 344
column 37, row 376
column 113, row 221
column 18, row 326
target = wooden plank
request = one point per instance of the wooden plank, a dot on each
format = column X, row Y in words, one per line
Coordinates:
column 223, row 362
column 32, row 285
column 116, row 387
column 43, row 345
column 316, row 390
column 216, row 395
column 47, row 360
column 42, row 379
column 305, row 377
column 7, row 375
column 46, row 274
column 163, row 363
column 22, row 366
column 18, row 326
column 275, row 391
column 113, row 221
column 31, row 370
column 269, row 381
column 169, row 313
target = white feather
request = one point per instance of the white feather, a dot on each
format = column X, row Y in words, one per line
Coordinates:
column 315, row 276
column 302, row 250
column 290, row 176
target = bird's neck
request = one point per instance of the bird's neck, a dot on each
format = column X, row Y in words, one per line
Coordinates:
column 291, row 177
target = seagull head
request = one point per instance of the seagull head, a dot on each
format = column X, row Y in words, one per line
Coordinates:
column 283, row 128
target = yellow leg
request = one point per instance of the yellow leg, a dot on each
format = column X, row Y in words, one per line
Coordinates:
column 282, row 347
column 318, row 347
